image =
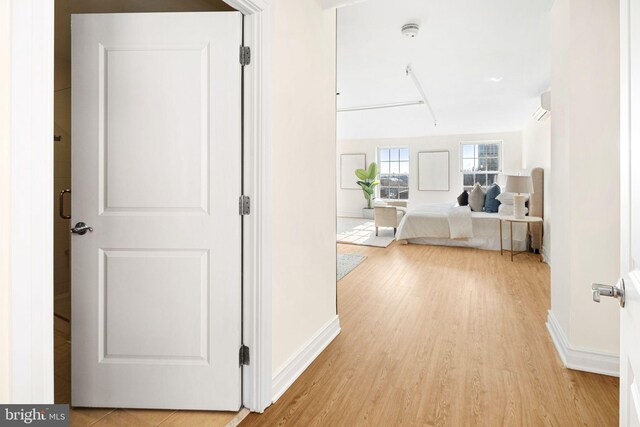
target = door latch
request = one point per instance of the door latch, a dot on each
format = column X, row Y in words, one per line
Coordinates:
column 81, row 228
column 616, row 291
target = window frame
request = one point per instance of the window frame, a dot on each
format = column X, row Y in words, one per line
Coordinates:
column 378, row 162
column 500, row 160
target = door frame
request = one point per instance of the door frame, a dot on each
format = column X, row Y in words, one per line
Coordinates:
column 256, row 322
column 28, row 327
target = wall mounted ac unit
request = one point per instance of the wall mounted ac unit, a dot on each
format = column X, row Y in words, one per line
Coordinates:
column 545, row 107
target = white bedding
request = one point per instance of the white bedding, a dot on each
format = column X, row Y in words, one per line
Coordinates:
column 460, row 225
column 425, row 221
column 430, row 225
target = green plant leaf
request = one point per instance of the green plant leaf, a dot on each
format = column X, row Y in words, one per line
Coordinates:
column 362, row 174
column 366, row 188
column 374, row 183
column 373, row 170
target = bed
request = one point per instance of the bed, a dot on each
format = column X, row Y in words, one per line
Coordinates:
column 451, row 225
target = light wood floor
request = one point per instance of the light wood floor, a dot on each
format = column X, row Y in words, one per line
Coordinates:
column 443, row 336
column 81, row 417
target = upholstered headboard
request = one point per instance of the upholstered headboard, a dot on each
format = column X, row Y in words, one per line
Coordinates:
column 536, row 205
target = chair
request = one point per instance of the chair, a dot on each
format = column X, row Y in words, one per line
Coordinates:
column 389, row 215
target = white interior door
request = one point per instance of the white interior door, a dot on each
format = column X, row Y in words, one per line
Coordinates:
column 630, row 218
column 156, row 165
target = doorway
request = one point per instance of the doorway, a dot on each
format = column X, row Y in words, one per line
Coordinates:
column 31, row 249
column 62, row 173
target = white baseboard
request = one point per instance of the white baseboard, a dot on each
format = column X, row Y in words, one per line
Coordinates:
column 545, row 255
column 581, row 360
column 295, row 366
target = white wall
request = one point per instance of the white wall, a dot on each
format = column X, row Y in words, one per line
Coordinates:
column 31, row 204
column 560, row 161
column 585, row 162
column 5, row 203
column 536, row 153
column 351, row 202
column 304, row 117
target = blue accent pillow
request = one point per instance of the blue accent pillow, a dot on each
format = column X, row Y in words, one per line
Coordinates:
column 490, row 203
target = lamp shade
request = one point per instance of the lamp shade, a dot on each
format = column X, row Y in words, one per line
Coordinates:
column 519, row 184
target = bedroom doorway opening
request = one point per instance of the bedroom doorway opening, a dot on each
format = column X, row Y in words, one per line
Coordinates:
column 418, row 134
column 443, row 167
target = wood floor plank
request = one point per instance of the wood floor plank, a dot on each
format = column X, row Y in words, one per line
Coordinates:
column 199, row 418
column 437, row 336
column 121, row 418
column 82, row 417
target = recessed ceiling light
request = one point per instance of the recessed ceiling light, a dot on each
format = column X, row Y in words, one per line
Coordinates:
column 496, row 79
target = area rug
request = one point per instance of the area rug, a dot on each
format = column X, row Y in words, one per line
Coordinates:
column 346, row 264
column 359, row 231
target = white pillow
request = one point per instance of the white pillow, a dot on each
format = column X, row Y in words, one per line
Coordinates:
column 507, row 198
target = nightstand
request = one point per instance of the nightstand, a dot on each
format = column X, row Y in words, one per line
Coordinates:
column 527, row 220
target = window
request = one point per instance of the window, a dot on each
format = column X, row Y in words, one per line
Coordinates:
column 393, row 163
column 481, row 163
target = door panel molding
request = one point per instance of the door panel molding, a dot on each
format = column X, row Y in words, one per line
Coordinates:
column 191, row 346
column 190, row 74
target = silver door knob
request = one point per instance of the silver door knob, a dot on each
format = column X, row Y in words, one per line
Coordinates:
column 81, row 228
column 616, row 291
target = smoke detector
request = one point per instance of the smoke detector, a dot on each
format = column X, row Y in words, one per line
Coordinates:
column 410, row 30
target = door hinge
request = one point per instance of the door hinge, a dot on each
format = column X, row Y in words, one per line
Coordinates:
column 244, row 355
column 245, row 55
column 245, row 205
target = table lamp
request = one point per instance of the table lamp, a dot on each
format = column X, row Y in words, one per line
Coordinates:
column 518, row 185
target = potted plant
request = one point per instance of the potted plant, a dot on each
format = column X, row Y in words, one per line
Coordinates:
column 368, row 182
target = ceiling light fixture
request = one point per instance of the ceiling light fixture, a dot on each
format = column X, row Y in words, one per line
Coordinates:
column 496, row 79
column 411, row 74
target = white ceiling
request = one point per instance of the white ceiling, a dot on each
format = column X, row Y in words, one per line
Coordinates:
column 461, row 45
